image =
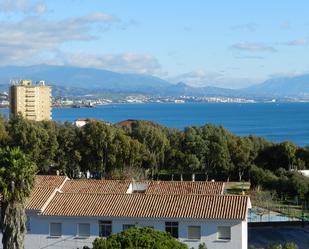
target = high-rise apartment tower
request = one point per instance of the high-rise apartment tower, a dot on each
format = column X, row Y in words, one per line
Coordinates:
column 33, row 101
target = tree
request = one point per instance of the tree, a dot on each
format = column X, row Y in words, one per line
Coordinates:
column 240, row 154
column 68, row 156
column 282, row 155
column 97, row 139
column 17, row 175
column 156, row 141
column 36, row 139
column 3, row 132
column 139, row 238
column 289, row 151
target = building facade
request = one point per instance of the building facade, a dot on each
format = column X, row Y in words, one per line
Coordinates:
column 31, row 101
column 64, row 213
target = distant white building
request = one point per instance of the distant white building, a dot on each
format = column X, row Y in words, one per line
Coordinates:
column 82, row 121
column 64, row 213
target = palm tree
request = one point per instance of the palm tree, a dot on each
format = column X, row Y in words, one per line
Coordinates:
column 17, row 176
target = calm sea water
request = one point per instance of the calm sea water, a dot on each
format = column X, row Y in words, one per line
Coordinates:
column 276, row 122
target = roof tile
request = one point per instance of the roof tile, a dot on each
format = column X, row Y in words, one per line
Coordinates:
column 148, row 206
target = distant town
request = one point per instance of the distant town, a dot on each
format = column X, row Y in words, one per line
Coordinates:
column 93, row 101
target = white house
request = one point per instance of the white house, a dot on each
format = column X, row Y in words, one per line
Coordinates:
column 64, row 213
column 82, row 121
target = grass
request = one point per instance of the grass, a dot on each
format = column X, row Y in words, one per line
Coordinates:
column 237, row 186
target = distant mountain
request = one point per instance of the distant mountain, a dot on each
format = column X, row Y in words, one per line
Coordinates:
column 73, row 81
column 87, row 78
column 297, row 86
column 78, row 81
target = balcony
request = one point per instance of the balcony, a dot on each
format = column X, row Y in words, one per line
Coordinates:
column 30, row 109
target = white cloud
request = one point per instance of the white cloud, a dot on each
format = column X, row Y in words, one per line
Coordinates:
column 35, row 40
column 292, row 73
column 201, row 78
column 299, row 42
column 25, row 6
column 96, row 17
column 248, row 27
column 253, row 47
column 23, row 40
column 250, row 57
column 123, row 62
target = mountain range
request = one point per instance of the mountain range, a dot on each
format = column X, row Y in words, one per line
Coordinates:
column 73, row 81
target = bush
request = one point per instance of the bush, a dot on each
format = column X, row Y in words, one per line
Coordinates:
column 202, row 246
column 139, row 238
column 290, row 246
column 287, row 245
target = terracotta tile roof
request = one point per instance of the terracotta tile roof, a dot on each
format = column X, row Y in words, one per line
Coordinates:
column 154, row 187
column 148, row 206
column 126, row 123
column 38, row 197
column 60, row 196
column 53, row 181
column 43, row 189
column 96, row 186
column 200, row 188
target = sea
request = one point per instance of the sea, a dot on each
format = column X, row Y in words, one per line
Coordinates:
column 274, row 121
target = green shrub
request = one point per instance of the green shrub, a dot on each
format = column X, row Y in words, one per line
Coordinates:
column 202, row 246
column 139, row 238
column 287, row 245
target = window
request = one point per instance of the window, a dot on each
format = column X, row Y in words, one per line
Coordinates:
column 83, row 230
column 194, row 232
column 172, row 228
column 127, row 226
column 55, row 229
column 224, row 233
column 105, row 228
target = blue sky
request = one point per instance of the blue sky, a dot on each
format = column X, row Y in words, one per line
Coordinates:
column 201, row 42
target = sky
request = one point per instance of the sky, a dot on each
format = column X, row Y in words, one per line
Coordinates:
column 223, row 43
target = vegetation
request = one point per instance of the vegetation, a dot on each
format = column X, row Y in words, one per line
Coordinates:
column 287, row 245
column 144, row 150
column 139, row 238
column 141, row 150
column 17, row 174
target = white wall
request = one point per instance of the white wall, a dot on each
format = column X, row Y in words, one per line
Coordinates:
column 245, row 234
column 38, row 237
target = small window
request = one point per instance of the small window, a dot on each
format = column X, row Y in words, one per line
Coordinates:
column 55, row 229
column 194, row 232
column 83, row 230
column 224, row 233
column 172, row 228
column 127, row 226
column 105, row 228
